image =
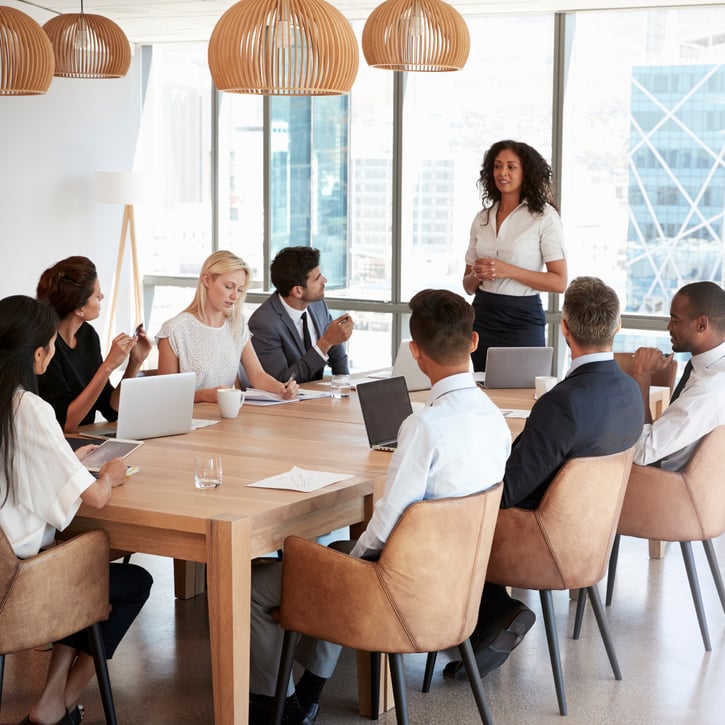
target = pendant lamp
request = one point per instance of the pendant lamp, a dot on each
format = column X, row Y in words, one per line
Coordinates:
column 283, row 48
column 88, row 46
column 416, row 35
column 26, row 55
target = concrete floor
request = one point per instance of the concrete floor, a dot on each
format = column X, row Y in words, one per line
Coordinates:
column 161, row 672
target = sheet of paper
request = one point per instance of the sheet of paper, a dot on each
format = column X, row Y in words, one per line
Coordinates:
column 202, row 423
column 300, row 479
column 515, row 413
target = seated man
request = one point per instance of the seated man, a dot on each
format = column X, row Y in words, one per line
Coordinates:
column 292, row 330
column 595, row 411
column 455, row 446
column 697, row 326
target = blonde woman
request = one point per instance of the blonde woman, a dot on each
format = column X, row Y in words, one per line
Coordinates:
column 210, row 337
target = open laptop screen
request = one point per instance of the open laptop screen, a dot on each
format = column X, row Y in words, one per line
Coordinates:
column 385, row 404
column 516, row 367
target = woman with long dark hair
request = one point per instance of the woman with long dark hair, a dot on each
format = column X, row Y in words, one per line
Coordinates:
column 515, row 249
column 42, row 485
column 77, row 382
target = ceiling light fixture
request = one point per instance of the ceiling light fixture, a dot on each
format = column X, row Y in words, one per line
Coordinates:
column 283, row 48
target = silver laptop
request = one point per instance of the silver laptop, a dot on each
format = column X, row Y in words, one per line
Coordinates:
column 385, row 404
column 406, row 366
column 516, row 367
column 156, row 405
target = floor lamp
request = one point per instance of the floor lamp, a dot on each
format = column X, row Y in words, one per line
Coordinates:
column 122, row 187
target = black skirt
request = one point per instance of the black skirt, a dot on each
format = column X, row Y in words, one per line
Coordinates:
column 506, row 321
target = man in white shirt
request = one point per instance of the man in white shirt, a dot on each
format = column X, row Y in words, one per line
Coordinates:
column 697, row 326
column 455, row 446
column 293, row 332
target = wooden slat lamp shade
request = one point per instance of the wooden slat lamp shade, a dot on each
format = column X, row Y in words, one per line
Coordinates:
column 283, row 48
column 416, row 35
column 88, row 46
column 26, row 55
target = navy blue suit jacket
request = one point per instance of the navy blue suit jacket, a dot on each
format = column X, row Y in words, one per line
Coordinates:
column 595, row 411
column 279, row 346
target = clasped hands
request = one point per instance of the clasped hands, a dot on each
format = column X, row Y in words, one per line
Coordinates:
column 487, row 269
column 649, row 360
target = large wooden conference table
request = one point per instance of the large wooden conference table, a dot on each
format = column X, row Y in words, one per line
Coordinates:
column 159, row 511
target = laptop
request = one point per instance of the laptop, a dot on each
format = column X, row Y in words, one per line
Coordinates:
column 516, row 367
column 406, row 366
column 385, row 404
column 155, row 405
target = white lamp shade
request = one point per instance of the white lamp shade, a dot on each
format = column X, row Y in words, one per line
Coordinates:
column 119, row 187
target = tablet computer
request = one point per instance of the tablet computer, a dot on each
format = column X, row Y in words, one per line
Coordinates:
column 107, row 451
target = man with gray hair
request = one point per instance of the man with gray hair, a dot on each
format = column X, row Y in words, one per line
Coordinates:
column 596, row 410
column 697, row 326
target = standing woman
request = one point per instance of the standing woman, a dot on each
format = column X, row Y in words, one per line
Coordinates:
column 77, row 381
column 211, row 338
column 516, row 249
column 42, row 485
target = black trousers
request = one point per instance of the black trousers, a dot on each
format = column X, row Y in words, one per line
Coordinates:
column 129, row 587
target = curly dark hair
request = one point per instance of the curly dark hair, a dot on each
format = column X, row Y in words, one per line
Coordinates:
column 536, row 189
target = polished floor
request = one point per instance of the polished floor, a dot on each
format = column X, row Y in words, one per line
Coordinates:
column 161, row 673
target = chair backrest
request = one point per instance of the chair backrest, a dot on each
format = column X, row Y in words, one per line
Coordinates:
column 58, row 592
column 434, row 564
column 565, row 543
column 686, row 505
column 664, row 378
column 421, row 595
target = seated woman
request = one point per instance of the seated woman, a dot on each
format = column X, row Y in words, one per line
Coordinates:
column 210, row 337
column 77, row 381
column 42, row 485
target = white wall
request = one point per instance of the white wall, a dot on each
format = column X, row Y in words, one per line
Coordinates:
column 50, row 149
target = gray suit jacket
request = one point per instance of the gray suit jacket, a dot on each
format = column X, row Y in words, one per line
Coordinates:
column 279, row 346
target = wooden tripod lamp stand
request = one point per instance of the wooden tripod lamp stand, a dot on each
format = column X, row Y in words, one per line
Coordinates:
column 122, row 187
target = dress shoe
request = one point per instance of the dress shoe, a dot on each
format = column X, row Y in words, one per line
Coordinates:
column 493, row 650
column 311, row 711
column 261, row 711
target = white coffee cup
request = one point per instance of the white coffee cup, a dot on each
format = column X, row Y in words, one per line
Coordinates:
column 543, row 384
column 230, row 401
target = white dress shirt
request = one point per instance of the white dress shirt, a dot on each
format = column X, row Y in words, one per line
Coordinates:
column 296, row 317
column 525, row 240
column 455, row 446
column 699, row 409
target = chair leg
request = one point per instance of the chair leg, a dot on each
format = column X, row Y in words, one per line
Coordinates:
column 689, row 559
column 715, row 569
column 469, row 660
column 104, row 683
column 430, row 664
column 604, row 630
column 286, row 658
column 398, row 677
column 374, row 685
column 581, row 604
column 547, row 607
column 612, row 569
column 2, row 672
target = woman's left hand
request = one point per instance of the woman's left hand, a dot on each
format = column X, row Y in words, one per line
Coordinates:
column 142, row 348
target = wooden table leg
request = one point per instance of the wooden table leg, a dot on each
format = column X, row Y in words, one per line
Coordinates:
column 189, row 578
column 229, row 582
column 657, row 549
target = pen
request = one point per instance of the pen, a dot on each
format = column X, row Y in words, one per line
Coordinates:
column 343, row 320
column 290, row 379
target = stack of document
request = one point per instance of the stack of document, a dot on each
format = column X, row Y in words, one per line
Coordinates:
column 254, row 396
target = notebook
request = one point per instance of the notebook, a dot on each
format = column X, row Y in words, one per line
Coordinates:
column 406, row 366
column 385, row 404
column 155, row 405
column 516, row 367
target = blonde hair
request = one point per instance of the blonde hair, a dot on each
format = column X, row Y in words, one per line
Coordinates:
column 221, row 262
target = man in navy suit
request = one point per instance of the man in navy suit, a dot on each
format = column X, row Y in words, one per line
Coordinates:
column 595, row 410
column 293, row 332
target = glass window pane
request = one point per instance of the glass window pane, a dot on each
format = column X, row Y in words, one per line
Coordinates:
column 450, row 119
column 643, row 188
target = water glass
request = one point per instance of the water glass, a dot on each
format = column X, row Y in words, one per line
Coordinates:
column 207, row 471
column 340, row 386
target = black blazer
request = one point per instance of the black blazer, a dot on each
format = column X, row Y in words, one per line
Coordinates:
column 595, row 411
column 279, row 346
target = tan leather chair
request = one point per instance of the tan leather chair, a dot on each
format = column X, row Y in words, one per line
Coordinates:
column 421, row 595
column 683, row 506
column 62, row 590
column 564, row 543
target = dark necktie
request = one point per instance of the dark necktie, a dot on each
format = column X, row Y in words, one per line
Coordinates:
column 683, row 380
column 306, row 339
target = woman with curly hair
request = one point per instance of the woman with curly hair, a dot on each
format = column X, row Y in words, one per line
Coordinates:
column 515, row 250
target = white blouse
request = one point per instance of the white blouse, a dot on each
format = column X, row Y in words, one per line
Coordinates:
column 213, row 353
column 50, row 479
column 525, row 240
